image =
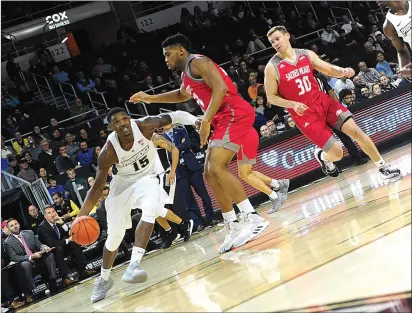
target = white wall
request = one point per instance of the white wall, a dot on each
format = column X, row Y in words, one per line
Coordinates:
column 23, row 60
column 171, row 16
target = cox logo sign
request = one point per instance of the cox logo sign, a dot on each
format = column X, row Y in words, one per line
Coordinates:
column 57, row 20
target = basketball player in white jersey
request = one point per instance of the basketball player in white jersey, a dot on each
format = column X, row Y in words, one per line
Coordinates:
column 135, row 184
column 397, row 28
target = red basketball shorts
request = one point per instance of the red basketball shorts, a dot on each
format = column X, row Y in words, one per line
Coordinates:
column 317, row 121
column 236, row 133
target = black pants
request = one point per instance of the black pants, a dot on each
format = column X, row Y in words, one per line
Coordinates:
column 195, row 179
column 348, row 143
column 45, row 263
column 60, row 252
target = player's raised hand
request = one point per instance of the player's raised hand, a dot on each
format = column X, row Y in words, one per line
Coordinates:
column 299, row 108
column 348, row 72
column 140, row 97
column 204, row 133
column 406, row 71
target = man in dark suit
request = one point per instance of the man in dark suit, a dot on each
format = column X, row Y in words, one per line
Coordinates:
column 189, row 173
column 24, row 248
column 53, row 232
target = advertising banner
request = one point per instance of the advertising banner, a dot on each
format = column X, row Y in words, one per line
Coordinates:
column 382, row 118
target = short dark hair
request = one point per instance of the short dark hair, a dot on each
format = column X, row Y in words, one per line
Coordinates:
column 83, row 140
column 343, row 93
column 12, row 219
column 177, row 39
column 57, row 193
column 51, row 178
column 279, row 28
column 114, row 111
column 48, row 206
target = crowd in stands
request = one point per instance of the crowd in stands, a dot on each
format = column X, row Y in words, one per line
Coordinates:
column 66, row 159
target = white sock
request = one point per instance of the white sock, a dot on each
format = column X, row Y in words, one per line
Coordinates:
column 229, row 216
column 380, row 163
column 273, row 195
column 323, row 157
column 245, row 206
column 105, row 273
column 275, row 184
column 137, row 254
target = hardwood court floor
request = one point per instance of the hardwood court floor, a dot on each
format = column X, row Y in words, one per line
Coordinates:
column 334, row 240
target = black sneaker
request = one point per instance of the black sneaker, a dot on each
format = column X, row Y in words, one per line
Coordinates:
column 390, row 174
column 328, row 168
column 170, row 237
column 186, row 229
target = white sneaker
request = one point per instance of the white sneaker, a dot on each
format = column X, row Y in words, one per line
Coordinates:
column 234, row 229
column 255, row 225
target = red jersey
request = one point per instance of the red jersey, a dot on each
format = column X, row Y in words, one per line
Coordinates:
column 233, row 106
column 296, row 82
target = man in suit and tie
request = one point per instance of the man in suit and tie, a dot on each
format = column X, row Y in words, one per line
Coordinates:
column 24, row 248
column 189, row 173
column 53, row 232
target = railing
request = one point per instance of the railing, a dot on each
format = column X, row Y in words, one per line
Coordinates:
column 154, row 9
column 69, row 91
column 317, row 32
column 36, row 192
column 94, row 98
column 143, row 108
column 45, row 85
column 338, row 17
column 299, row 13
column 20, row 51
column 140, row 109
column 59, row 122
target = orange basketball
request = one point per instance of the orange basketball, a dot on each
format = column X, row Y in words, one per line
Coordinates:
column 85, row 230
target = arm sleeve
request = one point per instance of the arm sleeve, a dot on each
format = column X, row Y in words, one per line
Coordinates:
column 182, row 117
column 75, row 209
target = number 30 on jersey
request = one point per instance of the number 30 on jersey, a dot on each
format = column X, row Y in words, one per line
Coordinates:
column 304, row 85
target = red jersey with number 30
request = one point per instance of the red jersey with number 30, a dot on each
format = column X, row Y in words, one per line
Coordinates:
column 296, row 82
column 233, row 106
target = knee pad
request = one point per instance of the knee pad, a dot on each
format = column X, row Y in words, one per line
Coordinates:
column 149, row 215
column 162, row 212
column 113, row 241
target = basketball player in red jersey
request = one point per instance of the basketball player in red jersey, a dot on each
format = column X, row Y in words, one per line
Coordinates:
column 290, row 83
column 232, row 119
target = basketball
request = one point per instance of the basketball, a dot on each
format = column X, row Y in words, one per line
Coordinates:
column 85, row 231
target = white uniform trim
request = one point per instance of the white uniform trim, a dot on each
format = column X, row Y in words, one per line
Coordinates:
column 137, row 184
column 402, row 24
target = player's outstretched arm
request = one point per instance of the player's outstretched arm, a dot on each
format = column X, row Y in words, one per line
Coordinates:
column 403, row 53
column 329, row 69
column 175, row 96
column 106, row 159
column 162, row 142
column 204, row 68
column 149, row 124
